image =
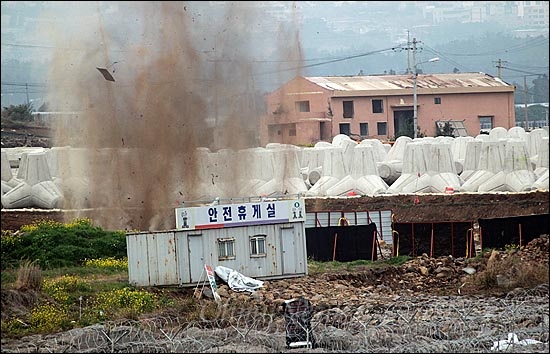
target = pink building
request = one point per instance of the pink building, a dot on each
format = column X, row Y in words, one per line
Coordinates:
column 310, row 109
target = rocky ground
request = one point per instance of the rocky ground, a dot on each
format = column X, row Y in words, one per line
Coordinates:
column 424, row 305
column 15, row 134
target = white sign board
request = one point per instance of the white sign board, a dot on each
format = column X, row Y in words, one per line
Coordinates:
column 243, row 214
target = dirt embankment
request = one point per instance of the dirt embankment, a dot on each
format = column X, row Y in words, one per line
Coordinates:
column 441, row 207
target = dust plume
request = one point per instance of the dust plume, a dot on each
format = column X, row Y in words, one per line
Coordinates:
column 129, row 155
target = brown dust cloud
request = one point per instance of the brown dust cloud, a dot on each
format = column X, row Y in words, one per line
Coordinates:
column 185, row 84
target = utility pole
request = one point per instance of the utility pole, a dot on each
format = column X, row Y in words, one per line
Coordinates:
column 499, row 66
column 415, row 73
column 525, row 102
column 415, row 86
column 408, row 53
column 27, row 92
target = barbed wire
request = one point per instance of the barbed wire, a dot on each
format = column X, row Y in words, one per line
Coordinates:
column 452, row 324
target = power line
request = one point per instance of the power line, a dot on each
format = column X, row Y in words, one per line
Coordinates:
column 4, row 83
column 327, row 62
column 441, row 55
column 522, row 71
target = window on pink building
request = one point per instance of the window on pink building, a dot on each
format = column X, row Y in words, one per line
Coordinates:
column 485, row 122
column 348, row 109
column 382, row 128
column 345, row 128
column 437, row 100
column 302, row 106
column 364, row 129
column 377, row 106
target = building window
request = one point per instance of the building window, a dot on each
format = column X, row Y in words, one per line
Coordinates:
column 345, row 128
column 377, row 106
column 226, row 248
column 348, row 109
column 292, row 130
column 437, row 100
column 302, row 106
column 364, row 129
column 257, row 246
column 486, row 123
column 382, row 128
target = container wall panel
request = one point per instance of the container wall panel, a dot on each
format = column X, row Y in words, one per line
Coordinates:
column 138, row 262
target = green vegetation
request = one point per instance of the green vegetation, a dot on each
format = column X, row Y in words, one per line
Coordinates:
column 52, row 244
column 21, row 112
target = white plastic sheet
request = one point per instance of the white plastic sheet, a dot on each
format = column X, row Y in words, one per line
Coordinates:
column 238, row 281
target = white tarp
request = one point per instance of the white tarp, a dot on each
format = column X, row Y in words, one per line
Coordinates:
column 237, row 281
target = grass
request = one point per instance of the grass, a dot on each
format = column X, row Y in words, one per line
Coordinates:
column 317, row 267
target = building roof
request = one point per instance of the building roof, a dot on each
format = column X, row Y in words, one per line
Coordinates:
column 387, row 83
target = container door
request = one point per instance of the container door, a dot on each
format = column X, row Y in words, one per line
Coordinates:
column 196, row 257
column 288, row 247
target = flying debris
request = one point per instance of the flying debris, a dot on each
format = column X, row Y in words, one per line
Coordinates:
column 106, row 74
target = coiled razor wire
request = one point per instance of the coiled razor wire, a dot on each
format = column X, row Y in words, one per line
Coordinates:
column 452, row 324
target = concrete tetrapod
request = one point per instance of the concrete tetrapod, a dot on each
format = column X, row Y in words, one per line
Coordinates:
column 542, row 162
column 517, row 175
column 364, row 178
column 287, row 178
column 459, row 146
column 491, row 162
column 347, row 145
column 5, row 167
column 379, row 150
column 257, row 164
column 498, row 133
column 390, row 168
column 471, row 158
column 414, row 178
column 441, row 168
column 333, row 171
column 9, row 181
column 536, row 144
column 315, row 159
column 541, row 172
